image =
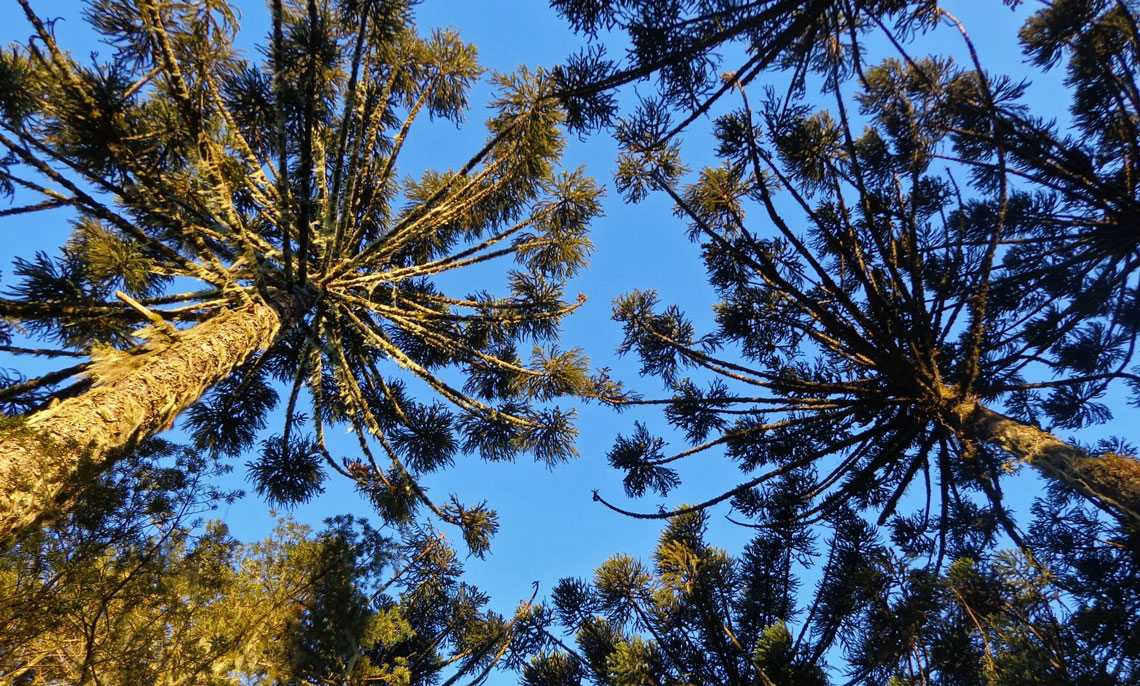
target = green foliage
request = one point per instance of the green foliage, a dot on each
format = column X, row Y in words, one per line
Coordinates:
column 478, row 524
column 680, row 622
column 130, row 587
column 774, row 663
column 639, row 456
column 227, row 420
column 678, row 44
column 287, row 473
column 112, row 262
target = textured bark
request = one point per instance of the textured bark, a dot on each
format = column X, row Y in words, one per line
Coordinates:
column 136, row 395
column 1110, row 481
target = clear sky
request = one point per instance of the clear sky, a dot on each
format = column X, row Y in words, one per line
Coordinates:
column 549, row 526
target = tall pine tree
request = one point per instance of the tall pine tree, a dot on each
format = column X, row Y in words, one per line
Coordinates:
column 962, row 281
column 919, row 279
column 241, row 224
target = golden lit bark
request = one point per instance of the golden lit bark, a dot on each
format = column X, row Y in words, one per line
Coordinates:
column 136, row 395
column 1110, row 481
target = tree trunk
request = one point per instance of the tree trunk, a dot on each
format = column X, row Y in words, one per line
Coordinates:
column 136, row 395
column 1112, row 482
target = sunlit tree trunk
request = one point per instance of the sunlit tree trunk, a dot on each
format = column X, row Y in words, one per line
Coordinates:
column 135, row 395
column 1110, row 481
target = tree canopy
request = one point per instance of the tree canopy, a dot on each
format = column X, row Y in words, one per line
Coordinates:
column 942, row 269
column 239, row 225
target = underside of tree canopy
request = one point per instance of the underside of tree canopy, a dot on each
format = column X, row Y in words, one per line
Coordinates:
column 922, row 283
column 274, row 190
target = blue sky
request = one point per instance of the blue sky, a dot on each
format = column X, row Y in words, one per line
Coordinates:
column 549, row 526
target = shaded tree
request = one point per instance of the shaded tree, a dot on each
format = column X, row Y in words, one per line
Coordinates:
column 1060, row 615
column 941, row 281
column 916, row 329
column 699, row 616
column 241, row 224
column 694, row 616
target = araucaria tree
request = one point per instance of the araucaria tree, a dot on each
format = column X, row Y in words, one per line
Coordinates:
column 922, row 284
column 921, row 277
column 252, row 217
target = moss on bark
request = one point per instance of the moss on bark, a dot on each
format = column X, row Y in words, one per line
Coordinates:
column 136, row 394
column 1110, row 481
